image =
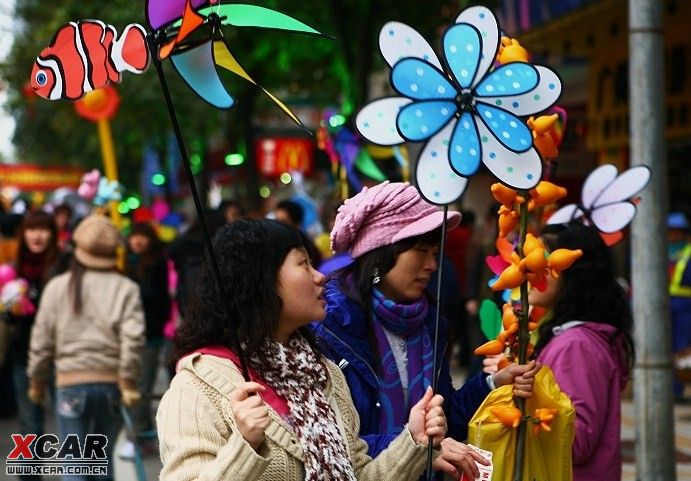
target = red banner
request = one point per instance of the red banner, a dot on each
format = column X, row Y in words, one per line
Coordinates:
column 35, row 178
column 280, row 154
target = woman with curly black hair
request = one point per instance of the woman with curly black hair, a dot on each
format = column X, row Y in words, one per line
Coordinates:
column 588, row 345
column 295, row 419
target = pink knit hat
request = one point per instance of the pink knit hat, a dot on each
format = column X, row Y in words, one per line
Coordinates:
column 383, row 215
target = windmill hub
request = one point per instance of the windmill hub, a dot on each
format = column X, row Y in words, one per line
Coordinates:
column 465, row 101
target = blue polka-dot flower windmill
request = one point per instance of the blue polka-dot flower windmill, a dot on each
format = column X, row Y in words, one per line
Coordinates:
column 468, row 108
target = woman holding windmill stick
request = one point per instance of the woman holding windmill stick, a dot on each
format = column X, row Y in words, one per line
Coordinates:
column 380, row 321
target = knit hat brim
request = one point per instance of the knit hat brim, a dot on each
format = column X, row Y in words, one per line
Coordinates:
column 428, row 224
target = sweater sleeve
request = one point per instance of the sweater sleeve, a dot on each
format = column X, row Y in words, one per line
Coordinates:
column 42, row 344
column 586, row 385
column 402, row 460
column 196, row 445
column 131, row 334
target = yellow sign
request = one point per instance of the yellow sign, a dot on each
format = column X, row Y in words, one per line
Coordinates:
column 44, row 179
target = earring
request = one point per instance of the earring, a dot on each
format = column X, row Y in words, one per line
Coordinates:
column 375, row 276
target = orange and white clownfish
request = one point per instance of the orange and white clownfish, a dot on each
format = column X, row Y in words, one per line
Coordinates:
column 85, row 56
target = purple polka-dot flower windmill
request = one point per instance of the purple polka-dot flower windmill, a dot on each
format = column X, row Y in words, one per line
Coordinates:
column 465, row 108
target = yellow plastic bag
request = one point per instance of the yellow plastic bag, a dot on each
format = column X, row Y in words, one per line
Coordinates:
column 547, row 454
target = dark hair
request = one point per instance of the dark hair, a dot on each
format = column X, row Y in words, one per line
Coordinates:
column 250, row 253
column 38, row 220
column 64, row 208
column 214, row 221
column 590, row 291
column 468, row 218
column 356, row 279
column 153, row 251
column 76, row 270
column 293, row 209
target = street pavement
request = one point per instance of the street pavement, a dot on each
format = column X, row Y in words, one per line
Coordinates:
column 125, row 470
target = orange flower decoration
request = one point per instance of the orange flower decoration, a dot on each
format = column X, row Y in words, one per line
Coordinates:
column 561, row 259
column 505, row 195
column 545, row 193
column 490, row 348
column 511, row 51
column 509, row 416
column 542, row 419
column 508, row 220
column 545, row 139
column 508, row 198
column 511, row 277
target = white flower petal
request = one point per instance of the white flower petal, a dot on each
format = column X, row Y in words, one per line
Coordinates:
column 484, row 20
column 398, row 40
column 596, row 183
column 613, row 217
column 565, row 215
column 517, row 170
column 625, row 186
column 376, row 121
column 437, row 183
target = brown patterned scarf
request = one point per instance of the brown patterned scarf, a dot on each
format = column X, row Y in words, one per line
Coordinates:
column 295, row 372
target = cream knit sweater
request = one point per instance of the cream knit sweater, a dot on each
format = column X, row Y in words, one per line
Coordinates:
column 198, row 439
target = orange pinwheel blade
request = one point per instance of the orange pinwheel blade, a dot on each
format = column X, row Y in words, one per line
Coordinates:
column 191, row 21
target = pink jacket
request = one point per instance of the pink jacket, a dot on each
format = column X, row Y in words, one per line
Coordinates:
column 591, row 369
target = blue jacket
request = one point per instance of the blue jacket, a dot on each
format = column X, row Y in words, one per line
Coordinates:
column 344, row 339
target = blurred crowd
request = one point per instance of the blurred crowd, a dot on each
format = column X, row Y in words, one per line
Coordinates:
column 45, row 360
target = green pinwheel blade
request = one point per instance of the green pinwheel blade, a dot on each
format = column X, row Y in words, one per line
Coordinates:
column 365, row 164
column 244, row 15
column 490, row 319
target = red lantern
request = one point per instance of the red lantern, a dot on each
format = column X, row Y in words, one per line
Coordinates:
column 98, row 104
column 28, row 93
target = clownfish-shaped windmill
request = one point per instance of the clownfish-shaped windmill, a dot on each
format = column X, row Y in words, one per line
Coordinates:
column 88, row 54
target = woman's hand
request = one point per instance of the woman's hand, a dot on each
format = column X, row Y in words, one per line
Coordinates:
column 521, row 375
column 129, row 394
column 457, row 458
column 250, row 413
column 37, row 391
column 427, row 419
column 490, row 364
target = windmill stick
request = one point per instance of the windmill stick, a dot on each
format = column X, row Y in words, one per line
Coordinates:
column 523, row 339
column 429, row 473
column 193, row 188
